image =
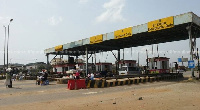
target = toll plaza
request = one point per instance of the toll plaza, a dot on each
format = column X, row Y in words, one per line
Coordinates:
column 173, row 28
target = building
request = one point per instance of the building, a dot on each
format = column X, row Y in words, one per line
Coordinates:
column 102, row 66
column 158, row 65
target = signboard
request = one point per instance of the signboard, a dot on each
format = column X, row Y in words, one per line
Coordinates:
column 179, row 59
column 191, row 64
column 122, row 33
column 182, row 59
column 96, row 39
column 59, row 48
column 161, row 24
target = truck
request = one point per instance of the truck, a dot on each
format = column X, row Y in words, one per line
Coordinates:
column 129, row 70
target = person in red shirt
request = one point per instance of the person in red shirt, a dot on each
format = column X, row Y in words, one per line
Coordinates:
column 77, row 75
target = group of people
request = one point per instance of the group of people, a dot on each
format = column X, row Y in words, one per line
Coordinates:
column 43, row 77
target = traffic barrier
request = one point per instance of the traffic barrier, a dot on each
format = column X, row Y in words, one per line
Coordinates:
column 143, row 79
column 99, row 83
column 158, row 78
column 151, row 79
column 111, row 83
column 76, row 84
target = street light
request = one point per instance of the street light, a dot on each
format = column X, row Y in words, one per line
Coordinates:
column 8, row 40
column 4, row 57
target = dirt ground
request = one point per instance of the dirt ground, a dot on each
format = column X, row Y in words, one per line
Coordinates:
column 182, row 95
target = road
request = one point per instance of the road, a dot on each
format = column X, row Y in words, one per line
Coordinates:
column 27, row 92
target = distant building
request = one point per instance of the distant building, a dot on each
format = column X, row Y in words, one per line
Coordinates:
column 36, row 65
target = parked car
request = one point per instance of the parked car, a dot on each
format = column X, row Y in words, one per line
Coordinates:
column 180, row 71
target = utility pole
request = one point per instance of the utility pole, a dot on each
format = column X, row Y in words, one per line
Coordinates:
column 4, row 53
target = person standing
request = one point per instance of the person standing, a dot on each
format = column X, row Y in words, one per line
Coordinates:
column 8, row 81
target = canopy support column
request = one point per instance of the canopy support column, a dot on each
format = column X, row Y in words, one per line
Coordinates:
column 86, row 52
column 192, row 44
column 47, row 62
column 117, row 64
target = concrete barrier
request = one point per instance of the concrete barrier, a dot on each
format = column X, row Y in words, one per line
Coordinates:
column 99, row 83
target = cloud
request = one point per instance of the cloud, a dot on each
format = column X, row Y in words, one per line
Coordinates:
column 83, row 1
column 113, row 11
column 55, row 20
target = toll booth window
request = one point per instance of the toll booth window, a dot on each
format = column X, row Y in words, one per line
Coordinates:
column 98, row 67
column 164, row 65
column 106, row 67
column 124, row 69
column 152, row 65
column 132, row 68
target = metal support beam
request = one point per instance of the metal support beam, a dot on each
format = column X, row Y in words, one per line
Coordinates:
column 47, row 62
column 86, row 52
column 114, row 55
column 198, row 62
column 192, row 43
column 90, row 56
column 117, row 63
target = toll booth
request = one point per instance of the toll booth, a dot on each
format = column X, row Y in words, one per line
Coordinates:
column 60, row 65
column 128, row 63
column 103, row 66
column 62, row 68
column 158, row 65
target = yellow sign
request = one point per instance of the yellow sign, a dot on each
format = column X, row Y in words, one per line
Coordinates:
column 161, row 24
column 122, row 33
column 96, row 39
column 59, row 48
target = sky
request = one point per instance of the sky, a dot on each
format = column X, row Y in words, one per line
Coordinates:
column 41, row 24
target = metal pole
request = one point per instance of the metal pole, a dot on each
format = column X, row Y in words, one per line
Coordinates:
column 86, row 62
column 138, row 60
column 48, row 59
column 198, row 61
column 191, row 46
column 8, row 39
column 147, row 62
column 7, row 46
column 4, row 57
column 118, row 59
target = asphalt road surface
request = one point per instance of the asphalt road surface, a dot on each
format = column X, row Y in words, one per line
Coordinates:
column 28, row 92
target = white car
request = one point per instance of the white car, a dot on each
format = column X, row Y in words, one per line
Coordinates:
column 180, row 71
column 126, row 70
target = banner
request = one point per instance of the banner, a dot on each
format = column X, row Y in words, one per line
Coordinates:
column 96, row 39
column 161, row 24
column 59, row 48
column 122, row 33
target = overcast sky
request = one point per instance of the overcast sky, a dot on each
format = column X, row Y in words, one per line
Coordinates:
column 41, row 24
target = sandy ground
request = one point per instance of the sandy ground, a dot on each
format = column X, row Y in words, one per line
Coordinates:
column 183, row 95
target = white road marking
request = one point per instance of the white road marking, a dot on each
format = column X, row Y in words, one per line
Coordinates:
column 90, row 93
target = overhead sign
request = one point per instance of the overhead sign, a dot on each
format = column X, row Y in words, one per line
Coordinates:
column 191, row 64
column 59, row 48
column 161, row 24
column 122, row 33
column 96, row 39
